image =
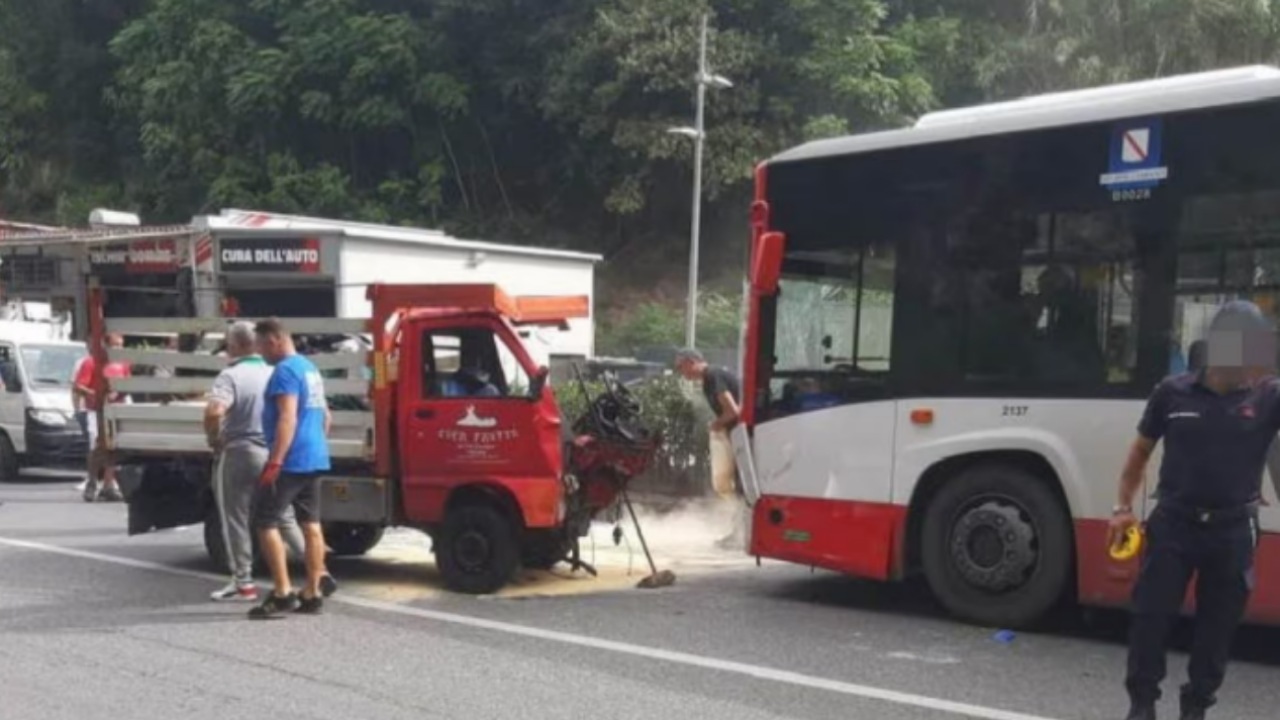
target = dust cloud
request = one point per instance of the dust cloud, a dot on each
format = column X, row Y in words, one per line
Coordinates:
column 698, row 531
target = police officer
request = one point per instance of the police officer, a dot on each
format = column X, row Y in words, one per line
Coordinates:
column 1217, row 424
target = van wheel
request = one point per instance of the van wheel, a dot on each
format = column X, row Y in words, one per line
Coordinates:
column 996, row 546
column 9, row 467
column 477, row 552
column 352, row 538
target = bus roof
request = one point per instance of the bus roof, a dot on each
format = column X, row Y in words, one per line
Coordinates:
column 1216, row 88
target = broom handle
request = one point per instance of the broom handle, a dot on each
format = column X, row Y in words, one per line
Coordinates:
column 626, row 499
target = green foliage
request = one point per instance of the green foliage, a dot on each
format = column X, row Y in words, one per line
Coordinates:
column 527, row 120
column 682, row 466
column 652, row 324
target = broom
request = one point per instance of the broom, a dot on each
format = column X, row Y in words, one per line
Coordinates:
column 657, row 578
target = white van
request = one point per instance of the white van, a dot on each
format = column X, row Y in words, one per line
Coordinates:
column 37, row 424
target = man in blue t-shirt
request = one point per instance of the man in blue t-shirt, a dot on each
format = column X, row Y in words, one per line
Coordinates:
column 295, row 425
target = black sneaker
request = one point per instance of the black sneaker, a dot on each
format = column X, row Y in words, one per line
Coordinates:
column 328, row 586
column 1142, row 711
column 309, row 606
column 1191, row 712
column 274, row 607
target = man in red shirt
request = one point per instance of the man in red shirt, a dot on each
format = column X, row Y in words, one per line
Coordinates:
column 98, row 457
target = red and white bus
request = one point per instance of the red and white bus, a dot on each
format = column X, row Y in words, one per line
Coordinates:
column 953, row 327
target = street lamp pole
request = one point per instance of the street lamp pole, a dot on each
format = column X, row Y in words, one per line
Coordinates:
column 699, row 127
column 698, row 132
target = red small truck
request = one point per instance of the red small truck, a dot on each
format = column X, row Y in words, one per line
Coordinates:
column 447, row 426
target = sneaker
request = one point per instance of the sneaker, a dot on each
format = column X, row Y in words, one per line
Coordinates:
column 274, row 607
column 328, row 586
column 90, row 490
column 246, row 592
column 1191, row 711
column 309, row 606
column 111, row 494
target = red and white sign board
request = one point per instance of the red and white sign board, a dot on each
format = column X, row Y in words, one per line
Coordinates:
column 139, row 257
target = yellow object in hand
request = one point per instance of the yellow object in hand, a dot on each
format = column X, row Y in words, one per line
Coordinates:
column 1129, row 545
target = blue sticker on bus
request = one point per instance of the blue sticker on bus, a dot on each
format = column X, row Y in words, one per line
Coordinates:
column 1136, row 161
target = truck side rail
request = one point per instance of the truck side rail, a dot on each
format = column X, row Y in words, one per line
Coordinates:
column 192, row 326
column 175, row 423
column 148, row 428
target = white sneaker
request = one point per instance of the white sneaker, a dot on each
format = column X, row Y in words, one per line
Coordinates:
column 236, row 591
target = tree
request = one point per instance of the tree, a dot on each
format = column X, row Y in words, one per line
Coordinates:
column 59, row 148
column 537, row 121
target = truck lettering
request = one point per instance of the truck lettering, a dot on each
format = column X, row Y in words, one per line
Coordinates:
column 454, row 436
column 477, row 437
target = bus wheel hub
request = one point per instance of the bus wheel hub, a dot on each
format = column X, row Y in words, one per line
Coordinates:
column 993, row 547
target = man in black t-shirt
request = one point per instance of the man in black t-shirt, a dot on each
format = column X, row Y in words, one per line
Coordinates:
column 721, row 389
column 719, row 386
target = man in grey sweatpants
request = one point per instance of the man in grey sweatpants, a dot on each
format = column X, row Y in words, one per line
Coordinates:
column 233, row 424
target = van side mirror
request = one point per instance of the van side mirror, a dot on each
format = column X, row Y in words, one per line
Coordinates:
column 539, row 382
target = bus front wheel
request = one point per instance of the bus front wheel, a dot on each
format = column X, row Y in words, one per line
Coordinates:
column 996, row 546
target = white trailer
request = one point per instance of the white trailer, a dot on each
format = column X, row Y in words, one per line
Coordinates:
column 277, row 258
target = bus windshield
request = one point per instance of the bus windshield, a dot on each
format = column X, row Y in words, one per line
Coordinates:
column 837, row 316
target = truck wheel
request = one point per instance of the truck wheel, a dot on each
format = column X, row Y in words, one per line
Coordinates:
column 543, row 550
column 477, row 553
column 996, row 546
column 9, row 466
column 352, row 538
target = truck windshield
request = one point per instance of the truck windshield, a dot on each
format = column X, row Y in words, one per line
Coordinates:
column 51, row 365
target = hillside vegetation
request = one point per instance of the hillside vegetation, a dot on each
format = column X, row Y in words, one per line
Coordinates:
column 529, row 121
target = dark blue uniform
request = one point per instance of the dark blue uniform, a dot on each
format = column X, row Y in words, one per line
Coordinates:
column 1205, row 522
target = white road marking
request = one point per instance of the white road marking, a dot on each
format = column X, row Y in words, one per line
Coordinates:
column 926, row 658
column 672, row 656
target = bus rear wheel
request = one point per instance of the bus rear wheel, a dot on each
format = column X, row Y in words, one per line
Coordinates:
column 996, row 546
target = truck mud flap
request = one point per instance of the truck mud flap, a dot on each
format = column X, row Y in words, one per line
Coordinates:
column 166, row 495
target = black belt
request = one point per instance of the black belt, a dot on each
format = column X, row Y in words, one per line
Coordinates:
column 1208, row 515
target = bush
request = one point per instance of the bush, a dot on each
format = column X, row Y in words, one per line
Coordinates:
column 682, row 467
column 626, row 331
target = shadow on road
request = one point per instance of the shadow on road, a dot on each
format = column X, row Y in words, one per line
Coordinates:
column 1254, row 644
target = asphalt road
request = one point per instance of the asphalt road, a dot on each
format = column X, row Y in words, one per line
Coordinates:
column 97, row 625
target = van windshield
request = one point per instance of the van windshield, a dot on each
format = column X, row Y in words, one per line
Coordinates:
column 51, row 366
